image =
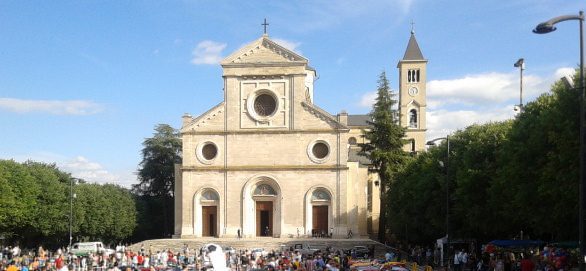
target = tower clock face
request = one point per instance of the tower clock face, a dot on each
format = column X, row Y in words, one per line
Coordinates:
column 413, row 91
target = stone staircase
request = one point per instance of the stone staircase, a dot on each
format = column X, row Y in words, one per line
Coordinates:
column 266, row 243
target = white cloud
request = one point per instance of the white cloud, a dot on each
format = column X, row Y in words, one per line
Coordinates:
column 482, row 88
column 72, row 107
column 443, row 122
column 291, row 45
column 455, row 104
column 367, row 99
column 490, row 88
column 81, row 167
column 208, row 52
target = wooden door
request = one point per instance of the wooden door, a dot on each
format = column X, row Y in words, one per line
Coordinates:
column 320, row 219
column 264, row 218
column 209, row 220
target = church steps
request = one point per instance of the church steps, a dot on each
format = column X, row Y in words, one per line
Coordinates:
column 267, row 244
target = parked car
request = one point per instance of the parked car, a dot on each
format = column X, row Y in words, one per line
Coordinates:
column 360, row 251
column 305, row 249
column 257, row 252
column 85, row 248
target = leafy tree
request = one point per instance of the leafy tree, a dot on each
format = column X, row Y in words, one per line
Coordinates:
column 417, row 198
column 474, row 160
column 156, row 172
column 385, row 144
column 540, row 168
column 109, row 212
column 505, row 177
column 34, row 206
column 51, row 214
column 18, row 201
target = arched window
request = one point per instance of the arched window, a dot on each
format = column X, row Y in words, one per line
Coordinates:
column 413, row 76
column 264, row 190
column 413, row 118
column 320, row 195
column 209, row 195
column 352, row 141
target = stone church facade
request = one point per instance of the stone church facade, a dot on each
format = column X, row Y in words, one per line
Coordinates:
column 267, row 161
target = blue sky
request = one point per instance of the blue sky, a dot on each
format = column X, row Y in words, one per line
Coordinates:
column 82, row 83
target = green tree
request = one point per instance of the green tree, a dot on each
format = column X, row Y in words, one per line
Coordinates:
column 417, row 198
column 109, row 212
column 51, row 215
column 540, row 167
column 156, row 172
column 34, row 207
column 18, row 201
column 385, row 139
column 474, row 160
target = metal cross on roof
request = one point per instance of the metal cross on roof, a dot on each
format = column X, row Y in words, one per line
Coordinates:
column 265, row 24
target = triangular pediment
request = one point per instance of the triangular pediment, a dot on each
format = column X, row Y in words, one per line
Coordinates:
column 211, row 119
column 414, row 103
column 263, row 50
column 323, row 116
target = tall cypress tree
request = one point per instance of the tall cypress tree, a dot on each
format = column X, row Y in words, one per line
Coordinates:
column 385, row 139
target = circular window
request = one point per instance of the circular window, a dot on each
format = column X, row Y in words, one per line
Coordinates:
column 206, row 152
column 318, row 151
column 209, row 151
column 265, row 105
column 262, row 105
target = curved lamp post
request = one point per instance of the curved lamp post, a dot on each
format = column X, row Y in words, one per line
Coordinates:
column 432, row 143
column 72, row 182
column 547, row 27
column 521, row 65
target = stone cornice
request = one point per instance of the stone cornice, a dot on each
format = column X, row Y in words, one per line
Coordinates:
column 265, row 64
column 265, row 131
column 264, row 168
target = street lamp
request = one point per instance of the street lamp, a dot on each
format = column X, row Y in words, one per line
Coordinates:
column 521, row 65
column 547, row 27
column 71, row 196
column 432, row 143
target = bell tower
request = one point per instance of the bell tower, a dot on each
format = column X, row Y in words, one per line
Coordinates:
column 412, row 95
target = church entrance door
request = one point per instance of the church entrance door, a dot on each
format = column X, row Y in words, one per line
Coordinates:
column 209, row 220
column 264, row 218
column 320, row 220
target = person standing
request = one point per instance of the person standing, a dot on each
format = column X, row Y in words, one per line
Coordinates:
column 457, row 263
column 527, row 264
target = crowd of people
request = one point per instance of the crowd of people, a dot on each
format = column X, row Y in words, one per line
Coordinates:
column 15, row 259
column 539, row 260
column 186, row 258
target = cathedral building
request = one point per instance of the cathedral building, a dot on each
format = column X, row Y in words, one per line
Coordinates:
column 267, row 161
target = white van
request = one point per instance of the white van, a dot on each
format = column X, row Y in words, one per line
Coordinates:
column 82, row 249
